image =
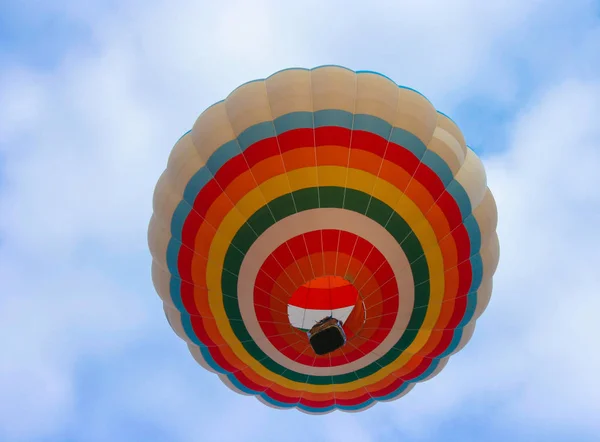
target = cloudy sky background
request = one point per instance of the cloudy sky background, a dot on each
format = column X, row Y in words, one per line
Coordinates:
column 93, row 96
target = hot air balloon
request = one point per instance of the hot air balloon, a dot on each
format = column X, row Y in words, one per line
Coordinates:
column 323, row 239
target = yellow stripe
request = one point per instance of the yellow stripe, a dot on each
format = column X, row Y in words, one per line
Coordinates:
column 328, row 176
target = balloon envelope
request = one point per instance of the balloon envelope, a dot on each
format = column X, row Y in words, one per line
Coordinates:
column 323, row 192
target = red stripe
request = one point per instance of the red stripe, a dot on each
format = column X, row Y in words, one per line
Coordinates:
column 235, row 167
column 362, row 140
column 295, row 139
column 332, row 136
column 186, row 289
column 261, row 150
column 324, row 299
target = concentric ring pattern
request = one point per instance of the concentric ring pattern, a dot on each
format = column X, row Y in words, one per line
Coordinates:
column 312, row 173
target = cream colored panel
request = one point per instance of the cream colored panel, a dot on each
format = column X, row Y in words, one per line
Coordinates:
column 158, row 241
column 184, row 163
column 231, row 386
column 364, row 408
column 289, row 91
column 183, row 149
column 211, row 130
column 165, row 200
column 446, row 146
column 484, row 294
column 316, row 413
column 333, row 88
column 486, row 215
column 178, row 181
column 174, row 318
column 248, row 105
column 471, row 177
column 450, row 126
column 268, row 404
column 416, row 115
column 161, row 279
column 377, row 96
column 172, row 183
column 490, row 255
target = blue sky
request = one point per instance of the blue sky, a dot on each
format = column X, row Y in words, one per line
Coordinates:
column 93, row 95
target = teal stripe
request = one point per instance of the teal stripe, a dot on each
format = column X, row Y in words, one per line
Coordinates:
column 333, row 118
column 461, row 197
column 186, row 322
column 409, row 141
column 470, row 310
column 205, row 352
column 355, row 407
column 477, row 272
column 295, row 120
column 175, row 292
column 439, row 166
column 180, row 214
column 237, row 384
column 432, row 367
column 195, row 185
column 172, row 255
column 223, row 154
column 374, row 125
column 458, row 333
column 255, row 134
column 472, row 228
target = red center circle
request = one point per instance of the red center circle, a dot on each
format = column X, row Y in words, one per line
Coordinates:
column 317, row 254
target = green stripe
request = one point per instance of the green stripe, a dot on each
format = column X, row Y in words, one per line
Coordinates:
column 306, row 199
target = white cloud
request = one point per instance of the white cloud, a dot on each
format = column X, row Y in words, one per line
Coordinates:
column 83, row 144
column 52, row 318
column 548, row 187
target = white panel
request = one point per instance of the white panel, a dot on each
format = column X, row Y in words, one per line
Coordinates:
column 305, row 319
